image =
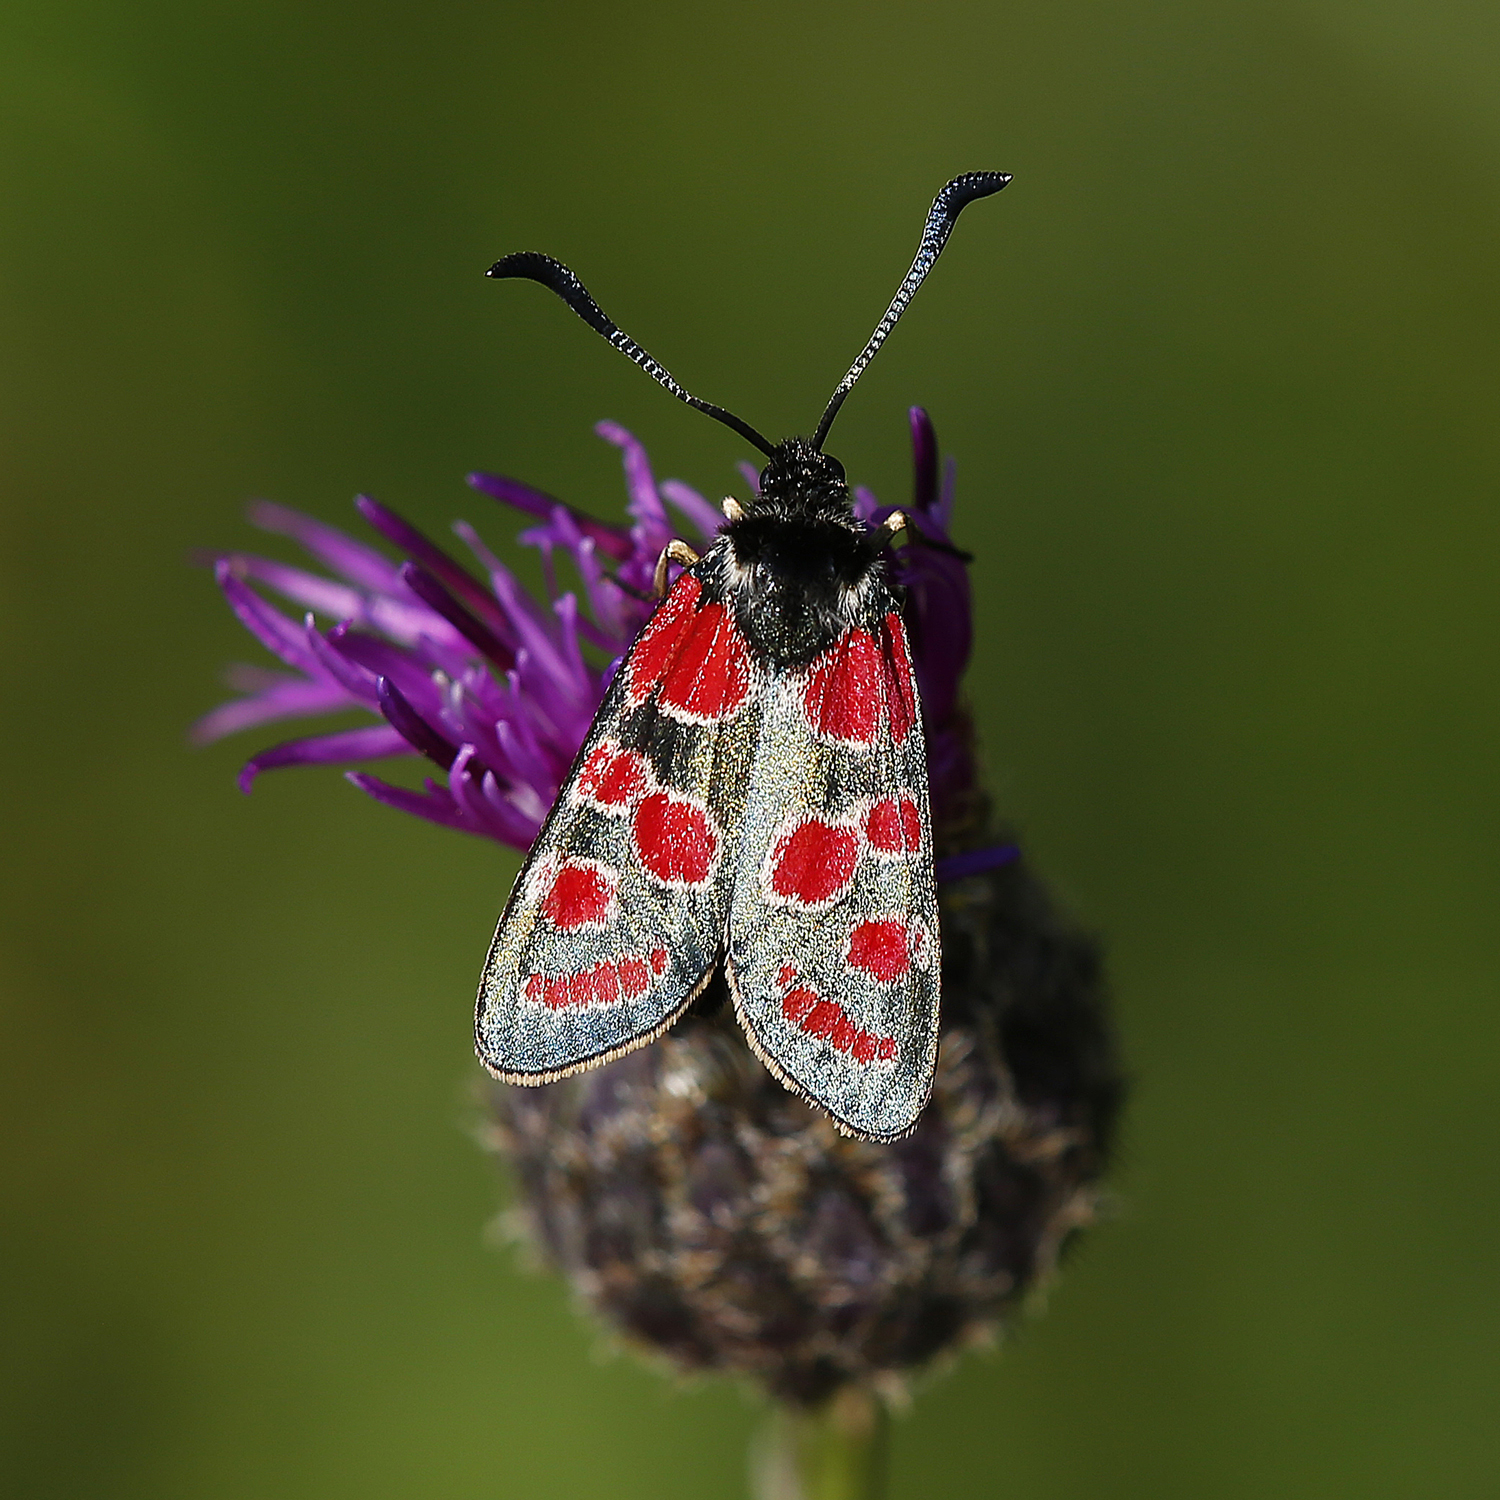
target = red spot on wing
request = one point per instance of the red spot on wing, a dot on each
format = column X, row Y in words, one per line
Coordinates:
column 675, row 839
column 605, row 983
column 842, row 696
column 900, row 689
column 796, row 1004
column 611, row 778
column 880, row 948
column 658, row 960
column 787, row 975
column 822, row 1018
column 580, row 895
column 709, row 676
column 814, row 862
column 814, row 1016
column 894, row 825
column 658, row 643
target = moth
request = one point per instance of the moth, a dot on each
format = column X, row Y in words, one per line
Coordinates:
column 752, row 795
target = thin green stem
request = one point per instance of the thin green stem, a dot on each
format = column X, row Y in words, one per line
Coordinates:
column 832, row 1452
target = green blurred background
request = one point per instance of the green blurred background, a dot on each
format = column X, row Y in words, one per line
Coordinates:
column 1220, row 370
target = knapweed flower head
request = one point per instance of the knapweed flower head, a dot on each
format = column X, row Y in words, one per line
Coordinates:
column 497, row 687
column 705, row 1212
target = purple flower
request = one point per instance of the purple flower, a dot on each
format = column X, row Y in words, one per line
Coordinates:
column 496, row 687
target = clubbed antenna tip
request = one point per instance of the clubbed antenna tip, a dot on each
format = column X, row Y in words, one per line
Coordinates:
column 941, row 218
column 556, row 277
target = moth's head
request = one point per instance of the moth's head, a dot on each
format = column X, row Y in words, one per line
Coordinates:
column 800, row 477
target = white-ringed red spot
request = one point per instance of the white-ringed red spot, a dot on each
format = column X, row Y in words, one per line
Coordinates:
column 635, row 977
column 612, row 779
column 658, row 643
column 709, row 676
column 676, row 839
column 900, row 690
column 842, row 696
column 581, row 894
column 893, row 826
column 814, row 1016
column 812, row 863
column 881, row 947
column 605, row 983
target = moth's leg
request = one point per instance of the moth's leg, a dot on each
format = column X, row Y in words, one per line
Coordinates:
column 733, row 510
column 893, row 523
column 676, row 551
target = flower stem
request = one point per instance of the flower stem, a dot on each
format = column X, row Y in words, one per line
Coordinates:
column 833, row 1452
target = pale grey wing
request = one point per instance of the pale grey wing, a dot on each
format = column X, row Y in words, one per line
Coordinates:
column 618, row 915
column 833, row 950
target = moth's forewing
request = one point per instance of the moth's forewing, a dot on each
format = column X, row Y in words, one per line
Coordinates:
column 618, row 915
column 833, row 952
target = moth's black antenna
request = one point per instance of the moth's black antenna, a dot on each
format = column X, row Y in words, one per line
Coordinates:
column 554, row 275
column 941, row 218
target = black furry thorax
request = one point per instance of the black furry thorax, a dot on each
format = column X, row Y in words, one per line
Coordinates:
column 798, row 568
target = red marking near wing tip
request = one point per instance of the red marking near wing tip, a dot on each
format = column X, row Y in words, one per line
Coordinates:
column 813, row 862
column 842, row 697
column 900, row 689
column 657, row 644
column 828, row 1019
column 894, row 825
column 787, row 975
column 658, row 960
column 709, row 677
column 635, row 977
column 613, row 779
column 881, row 948
column 675, row 839
column 581, row 894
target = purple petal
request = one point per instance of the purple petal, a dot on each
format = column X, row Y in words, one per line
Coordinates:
column 380, row 659
column 269, row 626
column 307, row 589
column 372, row 741
column 640, row 483
column 613, row 540
column 435, row 596
column 694, row 507
column 940, row 619
column 924, row 453
column 435, row 805
column 751, row 476
column 291, row 698
column 411, row 726
column 352, row 560
column 456, row 579
column 867, row 507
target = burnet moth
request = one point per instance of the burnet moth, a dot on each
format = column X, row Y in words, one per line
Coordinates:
column 752, row 794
